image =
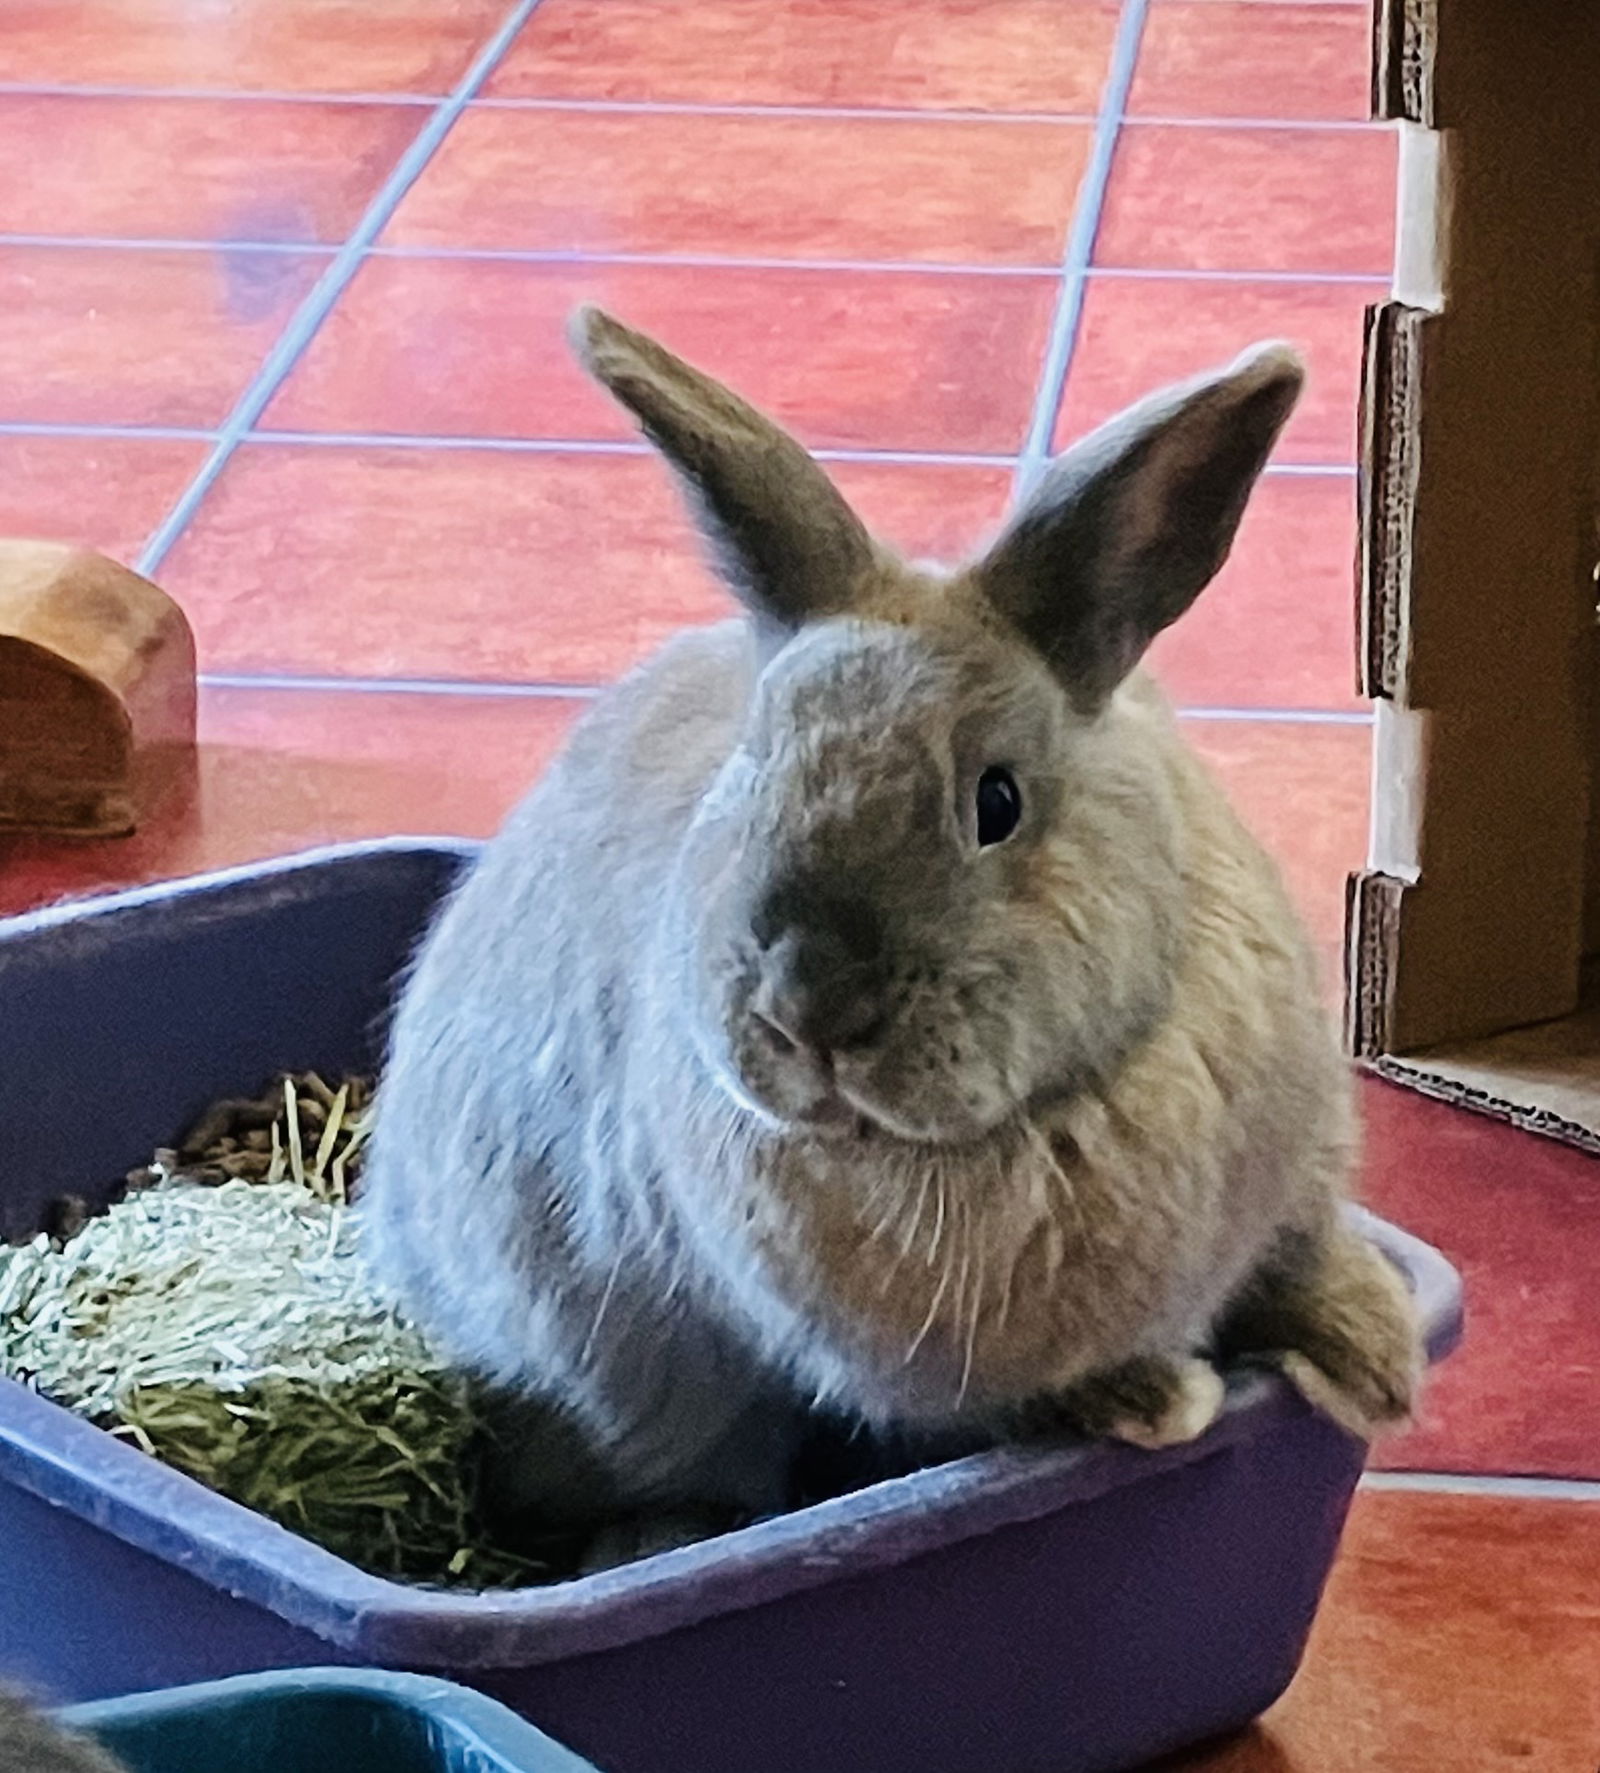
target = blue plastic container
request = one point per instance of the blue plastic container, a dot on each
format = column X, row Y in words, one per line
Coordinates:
column 320, row 1720
column 1066, row 1610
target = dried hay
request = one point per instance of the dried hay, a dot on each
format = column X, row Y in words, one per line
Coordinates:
column 220, row 1317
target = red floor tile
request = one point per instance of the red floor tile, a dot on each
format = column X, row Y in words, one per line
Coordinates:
column 1304, row 790
column 476, row 347
column 1202, row 58
column 246, row 45
column 485, row 565
column 139, row 337
column 782, row 187
column 1517, row 1215
column 1221, row 199
column 1275, row 630
column 204, row 169
column 101, row 492
column 979, row 55
column 1138, row 333
column 1458, row 1635
column 284, row 770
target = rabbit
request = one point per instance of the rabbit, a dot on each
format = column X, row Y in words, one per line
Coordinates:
column 877, row 1009
column 30, row 1743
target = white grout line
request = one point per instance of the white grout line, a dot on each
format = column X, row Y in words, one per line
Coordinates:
column 1283, row 716
column 155, row 243
column 1154, row 274
column 576, row 446
column 211, row 94
column 1531, row 1489
column 590, row 107
column 406, row 686
column 151, row 433
column 303, row 326
column 460, row 686
column 577, row 257
column 1079, row 252
column 675, row 107
column 1289, row 125
column 622, row 446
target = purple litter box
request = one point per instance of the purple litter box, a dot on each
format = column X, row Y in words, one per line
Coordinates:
column 1024, row 1611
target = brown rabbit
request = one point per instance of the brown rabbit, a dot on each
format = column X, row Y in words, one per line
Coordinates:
column 878, row 1004
column 30, row 1743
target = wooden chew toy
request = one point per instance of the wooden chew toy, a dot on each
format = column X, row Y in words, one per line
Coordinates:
column 97, row 681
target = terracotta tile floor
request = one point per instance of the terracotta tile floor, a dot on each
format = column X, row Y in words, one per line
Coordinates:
column 284, row 284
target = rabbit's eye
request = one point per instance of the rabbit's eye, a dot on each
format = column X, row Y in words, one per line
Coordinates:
column 999, row 806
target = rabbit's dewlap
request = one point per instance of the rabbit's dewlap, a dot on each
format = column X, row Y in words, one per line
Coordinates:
column 877, row 1003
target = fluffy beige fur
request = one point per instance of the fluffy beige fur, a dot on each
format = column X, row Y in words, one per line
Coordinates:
column 740, row 1075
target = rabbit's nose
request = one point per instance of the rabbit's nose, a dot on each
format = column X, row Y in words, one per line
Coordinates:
column 815, row 997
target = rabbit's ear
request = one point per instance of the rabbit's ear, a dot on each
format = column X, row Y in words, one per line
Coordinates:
column 1126, row 528
column 783, row 538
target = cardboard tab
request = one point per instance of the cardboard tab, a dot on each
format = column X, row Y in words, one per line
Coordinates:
column 1402, row 61
column 1391, row 393
column 1372, row 933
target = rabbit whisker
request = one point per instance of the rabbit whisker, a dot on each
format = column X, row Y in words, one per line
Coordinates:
column 977, row 1301
column 910, row 1237
column 943, row 1287
column 938, row 1224
column 1003, row 1317
column 916, row 1216
column 600, row 1315
column 1053, row 1168
column 730, row 1085
column 882, row 1188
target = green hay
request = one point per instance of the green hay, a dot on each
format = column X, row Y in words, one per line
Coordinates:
column 220, row 1317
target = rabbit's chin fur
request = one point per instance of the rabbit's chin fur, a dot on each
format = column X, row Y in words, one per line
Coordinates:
column 739, row 1075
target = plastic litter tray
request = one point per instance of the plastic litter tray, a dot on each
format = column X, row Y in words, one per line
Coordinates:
column 320, row 1720
column 1051, row 1610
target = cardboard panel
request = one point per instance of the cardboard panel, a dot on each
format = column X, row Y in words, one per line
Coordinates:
column 1480, row 424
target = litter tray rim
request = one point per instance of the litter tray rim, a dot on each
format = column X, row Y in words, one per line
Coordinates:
column 49, row 1453
column 462, row 1718
column 88, row 910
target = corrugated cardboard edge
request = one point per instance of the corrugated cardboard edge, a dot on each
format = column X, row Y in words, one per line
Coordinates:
column 1372, row 933
column 1391, row 429
column 1402, row 62
column 1414, row 1075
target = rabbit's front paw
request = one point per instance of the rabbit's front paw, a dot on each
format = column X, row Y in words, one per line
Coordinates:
column 1148, row 1402
column 1337, row 1320
column 1364, row 1398
column 1192, row 1404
